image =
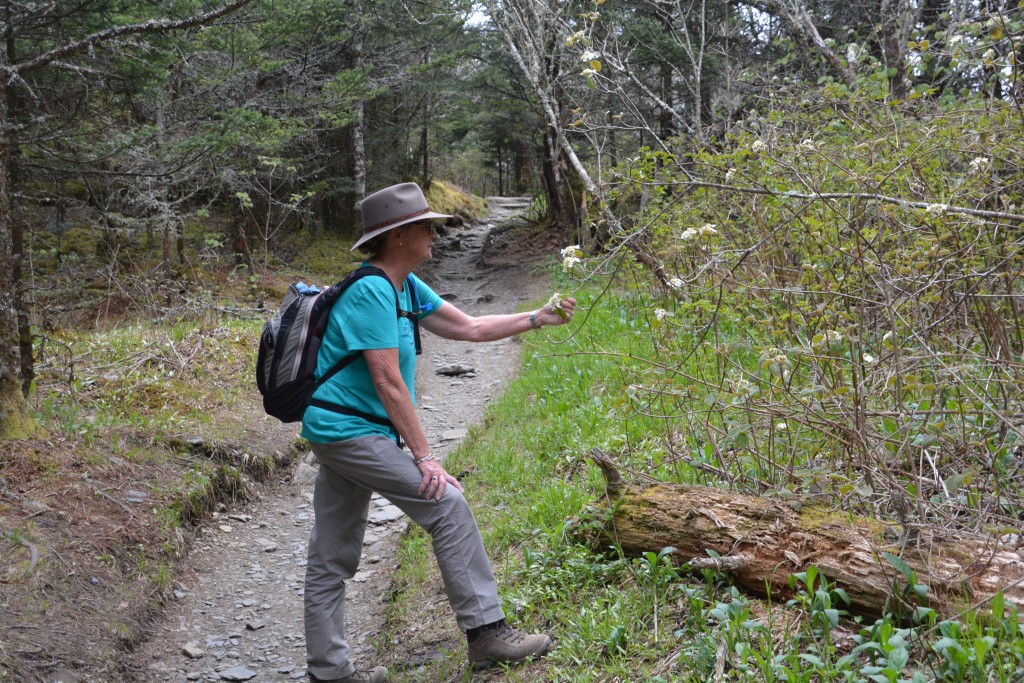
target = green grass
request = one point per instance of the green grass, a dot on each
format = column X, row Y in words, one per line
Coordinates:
column 646, row 619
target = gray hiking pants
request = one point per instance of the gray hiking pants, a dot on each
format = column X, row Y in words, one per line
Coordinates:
column 349, row 472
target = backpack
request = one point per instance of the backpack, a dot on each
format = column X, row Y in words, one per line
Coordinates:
column 289, row 344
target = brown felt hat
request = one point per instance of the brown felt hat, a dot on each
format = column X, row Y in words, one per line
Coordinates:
column 391, row 207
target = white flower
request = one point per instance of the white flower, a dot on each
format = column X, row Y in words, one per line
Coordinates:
column 587, row 73
column 589, row 55
column 954, row 40
column 661, row 313
column 807, row 144
column 572, row 250
column 979, row 164
column 688, row 234
column 889, row 340
column 555, row 302
column 833, row 337
column 708, row 229
column 781, row 425
column 868, row 358
column 758, row 147
column 989, row 56
column 730, row 174
column 675, row 283
column 936, row 208
column 570, row 262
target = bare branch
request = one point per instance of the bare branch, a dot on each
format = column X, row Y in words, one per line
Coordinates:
column 153, row 26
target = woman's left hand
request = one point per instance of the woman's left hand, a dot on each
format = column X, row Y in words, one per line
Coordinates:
column 435, row 479
column 549, row 316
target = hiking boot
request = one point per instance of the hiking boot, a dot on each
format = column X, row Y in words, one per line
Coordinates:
column 378, row 675
column 503, row 644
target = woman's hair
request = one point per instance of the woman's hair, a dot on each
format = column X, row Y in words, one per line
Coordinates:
column 373, row 246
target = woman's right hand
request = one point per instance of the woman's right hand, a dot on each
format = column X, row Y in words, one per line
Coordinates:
column 435, row 479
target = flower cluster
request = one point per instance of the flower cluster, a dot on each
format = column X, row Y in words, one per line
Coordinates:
column 660, row 314
column 936, row 209
column 688, row 234
column 758, row 147
column 708, row 229
column 675, row 283
column 572, row 256
column 980, row 164
column 729, row 175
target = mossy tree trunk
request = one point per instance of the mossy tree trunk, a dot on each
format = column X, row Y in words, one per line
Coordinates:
column 15, row 419
column 762, row 541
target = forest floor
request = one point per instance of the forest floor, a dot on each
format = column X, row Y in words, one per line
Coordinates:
column 233, row 609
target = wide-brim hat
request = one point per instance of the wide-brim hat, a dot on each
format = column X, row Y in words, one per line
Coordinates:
column 391, row 207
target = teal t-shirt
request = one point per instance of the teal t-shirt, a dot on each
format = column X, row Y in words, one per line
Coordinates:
column 365, row 318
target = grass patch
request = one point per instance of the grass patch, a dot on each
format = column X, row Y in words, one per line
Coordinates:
column 646, row 618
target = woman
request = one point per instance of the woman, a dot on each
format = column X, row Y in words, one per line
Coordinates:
column 358, row 444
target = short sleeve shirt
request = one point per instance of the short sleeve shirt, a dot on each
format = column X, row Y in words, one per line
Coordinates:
column 363, row 318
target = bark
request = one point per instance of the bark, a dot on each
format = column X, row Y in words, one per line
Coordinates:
column 762, row 541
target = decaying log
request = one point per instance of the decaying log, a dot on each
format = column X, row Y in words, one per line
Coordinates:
column 763, row 541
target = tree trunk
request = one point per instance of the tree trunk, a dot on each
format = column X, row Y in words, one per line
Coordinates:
column 15, row 419
column 762, row 541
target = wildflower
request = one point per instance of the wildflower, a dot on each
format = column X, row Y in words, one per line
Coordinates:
column 708, row 229
column 979, row 164
column 569, row 263
column 688, row 234
column 807, row 144
column 989, row 57
column 572, row 250
column 588, row 73
column 781, row 426
column 660, row 314
column 675, row 283
column 729, row 175
column 868, row 358
column 758, row 147
column 954, row 40
column 589, row 55
column 555, row 302
column 936, row 209
column 889, row 340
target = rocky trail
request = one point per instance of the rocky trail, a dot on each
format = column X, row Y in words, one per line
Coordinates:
column 237, row 612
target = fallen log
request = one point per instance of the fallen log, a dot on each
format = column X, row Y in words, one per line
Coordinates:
column 761, row 542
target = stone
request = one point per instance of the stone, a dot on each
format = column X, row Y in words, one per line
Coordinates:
column 237, row 673
column 192, row 650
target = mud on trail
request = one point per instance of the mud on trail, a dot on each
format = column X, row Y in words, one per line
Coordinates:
column 236, row 614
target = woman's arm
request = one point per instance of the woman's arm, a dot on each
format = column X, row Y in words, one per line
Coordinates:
column 394, row 395
column 451, row 323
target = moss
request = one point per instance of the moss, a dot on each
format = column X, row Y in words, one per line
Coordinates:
column 16, row 422
column 81, row 241
column 813, row 518
column 448, row 198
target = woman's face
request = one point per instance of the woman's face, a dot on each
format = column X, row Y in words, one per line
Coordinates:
column 418, row 237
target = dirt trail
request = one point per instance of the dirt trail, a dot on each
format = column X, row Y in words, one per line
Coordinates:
column 237, row 615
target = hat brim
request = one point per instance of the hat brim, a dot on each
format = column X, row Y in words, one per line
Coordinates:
column 379, row 231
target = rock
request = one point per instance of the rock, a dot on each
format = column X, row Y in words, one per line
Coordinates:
column 453, row 434
column 237, row 673
column 384, row 515
column 62, row 676
column 305, row 475
column 192, row 650
column 255, row 625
